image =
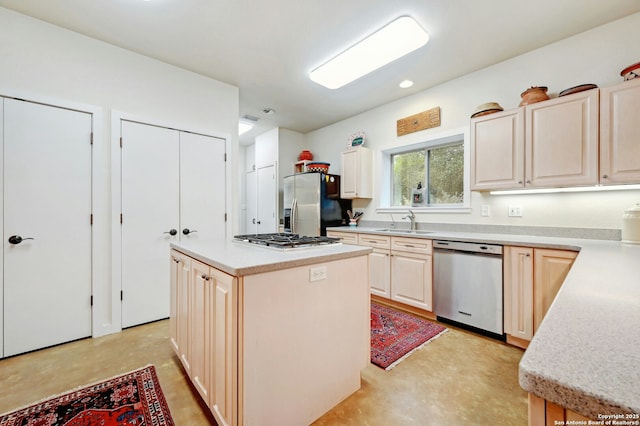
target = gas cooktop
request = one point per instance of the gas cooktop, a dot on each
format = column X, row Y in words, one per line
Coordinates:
column 286, row 240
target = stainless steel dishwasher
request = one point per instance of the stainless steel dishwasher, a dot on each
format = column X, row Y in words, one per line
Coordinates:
column 468, row 285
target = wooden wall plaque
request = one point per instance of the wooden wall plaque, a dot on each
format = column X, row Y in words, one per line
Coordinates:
column 421, row 121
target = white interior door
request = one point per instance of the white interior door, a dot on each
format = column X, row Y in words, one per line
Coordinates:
column 202, row 187
column 267, row 196
column 47, row 197
column 150, row 211
column 251, row 185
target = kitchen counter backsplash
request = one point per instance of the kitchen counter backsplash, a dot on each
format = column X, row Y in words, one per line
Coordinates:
column 538, row 231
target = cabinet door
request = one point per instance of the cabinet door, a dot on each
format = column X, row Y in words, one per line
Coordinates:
column 620, row 133
column 224, row 347
column 411, row 279
column 551, row 268
column 518, row 292
column 201, row 307
column 380, row 273
column 180, row 265
column 356, row 179
column 497, row 151
column 182, row 294
column 350, row 171
column 562, row 141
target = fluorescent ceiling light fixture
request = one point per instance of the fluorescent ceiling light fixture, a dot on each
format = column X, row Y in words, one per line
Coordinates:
column 576, row 189
column 244, row 127
column 405, row 84
column 397, row 39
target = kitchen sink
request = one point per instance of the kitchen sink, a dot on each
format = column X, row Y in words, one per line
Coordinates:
column 404, row 231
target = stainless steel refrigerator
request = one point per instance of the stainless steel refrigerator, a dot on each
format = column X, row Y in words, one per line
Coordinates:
column 312, row 203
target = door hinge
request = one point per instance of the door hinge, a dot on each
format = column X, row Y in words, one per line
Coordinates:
column 91, row 219
column 225, row 217
column 121, row 218
column 225, row 156
column 91, row 138
column 92, row 300
column 120, row 141
column 121, row 295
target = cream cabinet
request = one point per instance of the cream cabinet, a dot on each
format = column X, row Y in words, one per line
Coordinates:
column 552, row 143
column 497, row 151
column 550, row 269
column 357, row 174
column 201, row 331
column 518, row 292
column 179, row 307
column 561, row 141
column 532, row 279
column 412, row 272
column 620, row 133
column 379, row 263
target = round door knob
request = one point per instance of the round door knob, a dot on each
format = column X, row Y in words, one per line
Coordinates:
column 17, row 239
column 172, row 232
column 187, row 231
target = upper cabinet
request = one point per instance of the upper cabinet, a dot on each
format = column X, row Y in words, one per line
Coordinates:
column 552, row 143
column 560, row 142
column 357, row 176
column 620, row 133
column 497, row 151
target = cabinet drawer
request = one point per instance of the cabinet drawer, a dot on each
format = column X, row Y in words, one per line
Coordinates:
column 345, row 237
column 411, row 245
column 379, row 241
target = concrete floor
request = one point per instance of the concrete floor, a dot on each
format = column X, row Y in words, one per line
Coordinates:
column 458, row 379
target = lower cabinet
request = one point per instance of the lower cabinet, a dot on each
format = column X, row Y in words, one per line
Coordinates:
column 400, row 269
column 201, row 324
column 532, row 279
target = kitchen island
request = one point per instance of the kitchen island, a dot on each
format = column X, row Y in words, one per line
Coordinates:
column 270, row 336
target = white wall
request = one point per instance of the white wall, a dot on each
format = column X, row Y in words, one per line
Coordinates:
column 596, row 56
column 42, row 61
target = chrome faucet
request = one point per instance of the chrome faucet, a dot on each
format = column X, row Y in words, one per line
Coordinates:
column 412, row 217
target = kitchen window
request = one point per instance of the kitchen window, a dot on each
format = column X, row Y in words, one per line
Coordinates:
column 426, row 176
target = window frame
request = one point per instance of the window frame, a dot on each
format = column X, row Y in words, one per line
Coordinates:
column 433, row 141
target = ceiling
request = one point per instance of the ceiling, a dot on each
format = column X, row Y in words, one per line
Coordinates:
column 268, row 48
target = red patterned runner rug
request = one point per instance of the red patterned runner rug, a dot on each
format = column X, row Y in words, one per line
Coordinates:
column 133, row 398
column 395, row 335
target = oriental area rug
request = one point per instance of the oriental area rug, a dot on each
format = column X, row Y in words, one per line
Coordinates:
column 395, row 335
column 133, row 398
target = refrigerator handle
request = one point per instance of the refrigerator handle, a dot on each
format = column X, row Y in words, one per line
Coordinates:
column 294, row 207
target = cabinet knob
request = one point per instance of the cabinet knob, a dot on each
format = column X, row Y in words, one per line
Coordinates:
column 605, row 176
column 171, row 232
column 527, row 255
column 528, row 181
column 519, row 182
column 187, row 231
column 176, row 260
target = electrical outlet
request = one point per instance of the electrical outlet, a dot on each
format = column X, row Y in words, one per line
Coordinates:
column 317, row 273
column 485, row 210
column 515, row 211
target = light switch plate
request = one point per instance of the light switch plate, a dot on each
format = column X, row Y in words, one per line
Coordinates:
column 485, row 210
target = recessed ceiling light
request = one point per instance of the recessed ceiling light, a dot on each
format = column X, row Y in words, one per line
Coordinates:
column 269, row 111
column 405, row 84
column 244, row 127
column 397, row 39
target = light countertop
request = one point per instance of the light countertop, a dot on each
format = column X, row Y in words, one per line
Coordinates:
column 586, row 354
column 241, row 259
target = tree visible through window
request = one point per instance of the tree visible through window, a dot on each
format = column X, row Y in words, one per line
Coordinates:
column 439, row 170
